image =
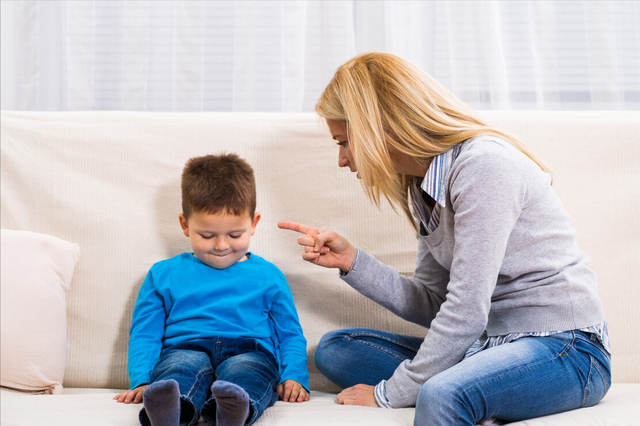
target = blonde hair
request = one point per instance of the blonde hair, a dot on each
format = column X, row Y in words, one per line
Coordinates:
column 389, row 103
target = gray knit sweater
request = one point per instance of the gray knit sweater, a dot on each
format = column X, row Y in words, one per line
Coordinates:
column 503, row 258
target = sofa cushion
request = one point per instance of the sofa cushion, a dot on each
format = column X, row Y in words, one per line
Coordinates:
column 36, row 272
column 76, row 406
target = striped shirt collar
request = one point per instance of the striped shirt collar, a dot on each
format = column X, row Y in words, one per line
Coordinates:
column 435, row 181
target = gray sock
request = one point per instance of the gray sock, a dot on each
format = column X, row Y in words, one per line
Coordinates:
column 232, row 403
column 162, row 403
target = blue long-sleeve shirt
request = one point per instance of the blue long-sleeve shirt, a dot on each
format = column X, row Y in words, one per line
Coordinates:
column 183, row 299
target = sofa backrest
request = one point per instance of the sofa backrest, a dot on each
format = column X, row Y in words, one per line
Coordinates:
column 109, row 181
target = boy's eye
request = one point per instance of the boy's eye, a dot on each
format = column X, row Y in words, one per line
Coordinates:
column 235, row 235
column 207, row 237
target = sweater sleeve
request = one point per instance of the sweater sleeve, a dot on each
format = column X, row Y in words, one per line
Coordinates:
column 145, row 335
column 289, row 336
column 416, row 299
column 487, row 191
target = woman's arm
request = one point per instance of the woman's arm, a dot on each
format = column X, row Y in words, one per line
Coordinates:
column 415, row 299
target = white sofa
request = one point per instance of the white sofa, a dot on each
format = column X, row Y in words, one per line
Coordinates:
column 109, row 182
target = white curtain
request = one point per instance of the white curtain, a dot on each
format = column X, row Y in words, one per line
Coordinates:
column 187, row 55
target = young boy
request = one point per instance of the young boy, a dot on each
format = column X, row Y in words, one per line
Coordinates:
column 215, row 332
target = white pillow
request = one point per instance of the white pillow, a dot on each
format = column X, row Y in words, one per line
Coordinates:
column 35, row 273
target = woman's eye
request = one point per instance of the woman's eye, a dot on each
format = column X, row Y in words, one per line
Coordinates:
column 342, row 143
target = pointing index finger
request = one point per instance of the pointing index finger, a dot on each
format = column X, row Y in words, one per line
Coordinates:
column 294, row 226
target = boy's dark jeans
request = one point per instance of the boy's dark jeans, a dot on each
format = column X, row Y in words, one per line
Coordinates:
column 195, row 365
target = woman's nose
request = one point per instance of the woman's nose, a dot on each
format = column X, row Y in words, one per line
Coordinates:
column 343, row 161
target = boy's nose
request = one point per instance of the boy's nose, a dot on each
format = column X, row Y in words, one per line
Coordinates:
column 220, row 244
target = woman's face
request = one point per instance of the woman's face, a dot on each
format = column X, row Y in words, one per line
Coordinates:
column 405, row 164
column 402, row 163
column 338, row 131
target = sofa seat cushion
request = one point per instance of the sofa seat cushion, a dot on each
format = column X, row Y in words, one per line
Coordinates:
column 96, row 407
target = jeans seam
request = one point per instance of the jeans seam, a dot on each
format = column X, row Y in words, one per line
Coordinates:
column 596, row 364
column 267, row 391
column 561, row 354
column 380, row 348
column 196, row 382
column 569, row 346
column 379, row 336
column 586, row 386
column 601, row 348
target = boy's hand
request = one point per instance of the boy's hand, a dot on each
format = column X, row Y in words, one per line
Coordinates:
column 131, row 396
column 324, row 248
column 292, row 391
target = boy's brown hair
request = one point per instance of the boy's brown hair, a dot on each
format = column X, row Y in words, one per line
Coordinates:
column 222, row 183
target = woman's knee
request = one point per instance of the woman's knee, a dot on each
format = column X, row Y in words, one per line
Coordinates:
column 436, row 392
column 440, row 398
column 327, row 349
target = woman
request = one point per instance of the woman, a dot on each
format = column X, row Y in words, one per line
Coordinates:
column 516, row 327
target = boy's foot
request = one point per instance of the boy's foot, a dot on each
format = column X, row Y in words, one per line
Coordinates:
column 162, row 403
column 232, row 403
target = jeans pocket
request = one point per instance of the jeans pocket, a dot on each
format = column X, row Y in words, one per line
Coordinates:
column 566, row 337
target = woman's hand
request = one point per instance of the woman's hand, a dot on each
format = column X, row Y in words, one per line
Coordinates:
column 358, row 395
column 131, row 396
column 324, row 248
column 292, row 391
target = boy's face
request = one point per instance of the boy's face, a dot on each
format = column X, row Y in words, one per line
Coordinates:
column 219, row 240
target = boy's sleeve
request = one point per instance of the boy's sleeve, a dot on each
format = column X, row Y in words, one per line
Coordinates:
column 289, row 335
column 145, row 335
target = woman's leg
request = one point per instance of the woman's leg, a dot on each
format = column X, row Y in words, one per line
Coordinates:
column 358, row 355
column 529, row 377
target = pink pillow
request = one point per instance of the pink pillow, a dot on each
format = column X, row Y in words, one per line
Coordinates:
column 35, row 271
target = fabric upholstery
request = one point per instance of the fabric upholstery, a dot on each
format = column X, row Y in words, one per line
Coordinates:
column 36, row 272
column 76, row 406
column 110, row 181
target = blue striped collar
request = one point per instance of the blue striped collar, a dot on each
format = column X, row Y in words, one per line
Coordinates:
column 435, row 181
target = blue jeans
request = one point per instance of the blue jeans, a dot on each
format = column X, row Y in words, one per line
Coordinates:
column 196, row 365
column 529, row 377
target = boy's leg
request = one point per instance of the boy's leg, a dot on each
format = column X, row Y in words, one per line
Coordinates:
column 233, row 404
column 529, row 377
column 253, row 372
column 358, row 355
column 193, row 373
column 162, row 403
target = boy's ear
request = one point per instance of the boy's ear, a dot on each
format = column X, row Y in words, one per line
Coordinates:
column 256, row 219
column 184, row 224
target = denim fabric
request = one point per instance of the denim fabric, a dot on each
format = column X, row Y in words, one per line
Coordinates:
column 359, row 355
column 526, row 378
column 196, row 364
